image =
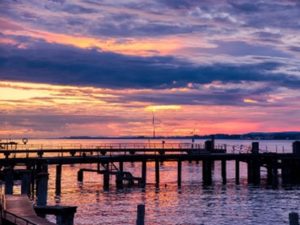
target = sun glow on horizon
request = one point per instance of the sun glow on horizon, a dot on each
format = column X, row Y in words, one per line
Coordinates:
column 155, row 108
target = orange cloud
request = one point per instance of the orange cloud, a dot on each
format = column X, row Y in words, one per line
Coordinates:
column 144, row 46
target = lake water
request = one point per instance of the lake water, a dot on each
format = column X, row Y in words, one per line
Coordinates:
column 192, row 204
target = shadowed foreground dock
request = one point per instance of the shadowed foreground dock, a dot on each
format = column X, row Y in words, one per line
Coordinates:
column 18, row 209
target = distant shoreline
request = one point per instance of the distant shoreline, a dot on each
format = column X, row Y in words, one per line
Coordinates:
column 248, row 136
column 289, row 135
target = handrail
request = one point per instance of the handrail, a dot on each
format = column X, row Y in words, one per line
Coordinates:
column 4, row 212
column 152, row 145
column 16, row 218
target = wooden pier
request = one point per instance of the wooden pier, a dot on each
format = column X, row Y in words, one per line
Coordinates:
column 110, row 162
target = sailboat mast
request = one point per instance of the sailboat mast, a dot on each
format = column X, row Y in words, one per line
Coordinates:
column 153, row 124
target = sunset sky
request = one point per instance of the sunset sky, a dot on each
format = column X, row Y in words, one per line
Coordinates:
column 103, row 67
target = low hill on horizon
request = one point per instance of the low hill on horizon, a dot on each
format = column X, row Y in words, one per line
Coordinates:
column 287, row 135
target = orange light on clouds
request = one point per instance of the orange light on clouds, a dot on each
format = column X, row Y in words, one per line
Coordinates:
column 155, row 108
column 249, row 100
column 101, row 111
column 144, row 46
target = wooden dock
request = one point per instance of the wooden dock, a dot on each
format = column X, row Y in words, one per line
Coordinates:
column 18, row 210
column 110, row 161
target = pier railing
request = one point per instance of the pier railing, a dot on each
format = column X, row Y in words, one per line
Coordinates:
column 108, row 146
column 8, row 216
column 111, row 149
column 36, row 150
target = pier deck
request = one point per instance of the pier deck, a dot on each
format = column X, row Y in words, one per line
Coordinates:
column 19, row 210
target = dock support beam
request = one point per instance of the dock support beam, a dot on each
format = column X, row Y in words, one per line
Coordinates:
column 272, row 172
column 144, row 174
column 64, row 214
column 80, row 175
column 25, row 185
column 9, row 180
column 206, row 172
column 254, row 165
column 121, row 166
column 286, row 166
column 119, row 180
column 65, row 219
column 157, row 173
column 58, row 180
column 254, row 171
column 179, row 167
column 42, row 186
column 106, row 180
column 237, row 172
column 223, row 162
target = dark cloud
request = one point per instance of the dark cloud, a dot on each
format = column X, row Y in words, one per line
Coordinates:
column 77, row 9
column 295, row 48
column 231, row 96
column 241, row 48
column 179, row 4
column 246, row 7
column 128, row 27
column 53, row 122
column 148, row 18
column 58, row 64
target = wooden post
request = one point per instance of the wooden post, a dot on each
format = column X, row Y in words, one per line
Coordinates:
column 32, row 180
column 25, row 185
column 296, row 147
column 286, row 171
column 58, row 180
column 208, row 145
column 144, row 173
column 269, row 173
column 237, row 171
column 121, row 166
column 80, row 175
column 206, row 172
column 140, row 215
column 179, row 165
column 255, row 148
column 9, row 180
column 42, row 186
column 223, row 162
column 119, row 180
column 294, row 218
column 256, row 178
column 274, row 173
column 249, row 171
column 156, row 173
column 254, row 171
column 106, row 180
column 65, row 219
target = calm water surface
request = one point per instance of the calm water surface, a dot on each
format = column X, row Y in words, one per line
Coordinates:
column 191, row 205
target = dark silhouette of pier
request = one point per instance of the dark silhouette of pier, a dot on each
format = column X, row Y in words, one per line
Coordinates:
column 31, row 165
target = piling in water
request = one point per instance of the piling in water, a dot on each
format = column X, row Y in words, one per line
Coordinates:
column 144, row 174
column 223, row 162
column 179, row 165
column 237, row 171
column 156, row 173
column 140, row 215
column 294, row 218
column 58, row 180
